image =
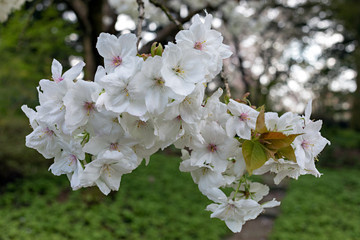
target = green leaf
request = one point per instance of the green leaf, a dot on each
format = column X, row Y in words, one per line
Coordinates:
column 226, row 99
column 287, row 152
column 254, row 154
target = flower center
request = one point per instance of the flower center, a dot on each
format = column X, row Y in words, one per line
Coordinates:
column 212, row 147
column 244, row 117
column 140, row 124
column 159, row 81
column 106, row 168
column 89, row 107
column 114, row 146
column 48, row 132
column 73, row 159
column 59, row 79
column 178, row 71
column 199, row 45
column 306, row 144
column 117, row 61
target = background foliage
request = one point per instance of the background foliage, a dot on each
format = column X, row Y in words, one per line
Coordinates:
column 159, row 202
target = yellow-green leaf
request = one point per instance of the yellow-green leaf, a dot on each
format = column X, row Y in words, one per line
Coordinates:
column 288, row 153
column 278, row 141
column 254, row 154
column 260, row 122
column 273, row 135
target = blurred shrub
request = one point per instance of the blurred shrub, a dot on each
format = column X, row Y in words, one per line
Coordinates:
column 344, row 149
column 15, row 158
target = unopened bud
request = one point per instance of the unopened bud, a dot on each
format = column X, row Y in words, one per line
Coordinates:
column 156, row 50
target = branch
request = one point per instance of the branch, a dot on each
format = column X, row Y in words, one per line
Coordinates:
column 167, row 13
column 226, row 83
column 171, row 29
column 140, row 21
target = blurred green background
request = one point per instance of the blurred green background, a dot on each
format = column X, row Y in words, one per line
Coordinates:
column 157, row 201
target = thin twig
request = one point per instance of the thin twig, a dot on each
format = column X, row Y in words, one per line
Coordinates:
column 226, row 83
column 140, row 21
column 167, row 12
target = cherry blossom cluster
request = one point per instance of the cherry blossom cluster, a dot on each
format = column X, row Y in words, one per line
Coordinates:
column 99, row 130
column 8, row 6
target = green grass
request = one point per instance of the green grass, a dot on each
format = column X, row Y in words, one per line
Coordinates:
column 327, row 208
column 154, row 202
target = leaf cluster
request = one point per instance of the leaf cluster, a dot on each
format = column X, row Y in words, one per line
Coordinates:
column 265, row 144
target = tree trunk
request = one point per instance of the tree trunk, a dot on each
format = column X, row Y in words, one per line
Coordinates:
column 90, row 14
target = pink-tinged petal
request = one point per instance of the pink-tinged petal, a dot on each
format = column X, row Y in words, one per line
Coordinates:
column 31, row 114
column 280, row 176
column 177, row 84
column 102, row 186
column 137, row 107
column 100, row 73
column 96, row 145
column 231, row 126
column 225, row 51
column 73, row 72
column 199, row 33
column 185, row 37
column 91, row 173
column 243, row 131
column 105, row 45
column 155, row 100
column 270, row 204
column 308, row 110
column 235, row 107
column 117, row 104
column 114, row 181
column 56, row 70
column 234, row 225
column 127, row 43
column 76, row 176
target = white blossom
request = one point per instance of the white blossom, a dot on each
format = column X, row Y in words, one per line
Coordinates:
column 242, row 121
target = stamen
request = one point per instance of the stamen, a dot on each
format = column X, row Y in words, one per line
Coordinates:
column 212, row 147
column 178, row 71
column 73, row 159
column 306, row 144
column 106, row 168
column 114, row 146
column 244, row 117
column 47, row 132
column 126, row 92
column 199, row 45
column 140, row 124
column 159, row 81
column 117, row 61
column 89, row 107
